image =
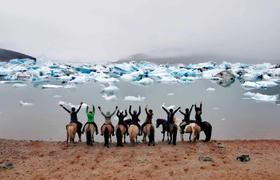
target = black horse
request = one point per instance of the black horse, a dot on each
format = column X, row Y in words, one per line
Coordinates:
column 205, row 126
column 165, row 127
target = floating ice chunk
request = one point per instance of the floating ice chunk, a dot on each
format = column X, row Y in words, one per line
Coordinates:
column 106, row 80
column 57, row 96
column 19, row 85
column 70, row 86
column 211, row 89
column 134, row 98
column 215, row 108
column 111, row 89
column 261, row 97
column 258, row 84
column 51, row 86
column 22, row 103
column 109, row 97
column 146, row 81
column 170, row 94
column 223, row 119
column 84, row 105
column 168, row 107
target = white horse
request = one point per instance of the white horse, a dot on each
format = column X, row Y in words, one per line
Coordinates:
column 194, row 131
column 133, row 132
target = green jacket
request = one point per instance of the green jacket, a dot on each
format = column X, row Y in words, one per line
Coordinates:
column 90, row 116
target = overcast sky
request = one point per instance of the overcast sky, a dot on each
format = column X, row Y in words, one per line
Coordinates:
column 95, row 30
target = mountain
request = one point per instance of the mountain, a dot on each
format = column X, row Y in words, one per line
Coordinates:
column 6, row 55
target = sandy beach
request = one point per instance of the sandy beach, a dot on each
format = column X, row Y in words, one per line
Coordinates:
column 57, row 160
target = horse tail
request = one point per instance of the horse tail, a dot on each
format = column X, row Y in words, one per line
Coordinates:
column 174, row 134
column 152, row 135
column 207, row 128
column 119, row 136
column 88, row 136
column 106, row 136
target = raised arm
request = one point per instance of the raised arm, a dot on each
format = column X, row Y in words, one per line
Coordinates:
column 65, row 108
column 182, row 112
column 101, row 111
column 191, row 109
column 201, row 106
column 130, row 110
column 164, row 109
column 93, row 109
column 139, row 112
column 79, row 107
column 125, row 113
column 118, row 113
column 177, row 110
column 146, row 110
column 114, row 111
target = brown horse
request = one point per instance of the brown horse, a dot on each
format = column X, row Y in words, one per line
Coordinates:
column 71, row 130
column 120, row 134
column 89, row 129
column 149, row 130
column 107, row 130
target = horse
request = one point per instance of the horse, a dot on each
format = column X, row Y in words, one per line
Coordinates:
column 71, row 130
column 107, row 130
column 205, row 126
column 89, row 130
column 120, row 134
column 194, row 131
column 173, row 128
column 165, row 128
column 133, row 132
column 149, row 131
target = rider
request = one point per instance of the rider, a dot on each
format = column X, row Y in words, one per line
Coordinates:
column 148, row 118
column 108, row 117
column 170, row 114
column 198, row 112
column 74, row 118
column 186, row 119
column 121, row 117
column 135, row 118
column 90, row 117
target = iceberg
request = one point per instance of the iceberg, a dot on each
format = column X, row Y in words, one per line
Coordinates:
column 168, row 107
column 51, row 86
column 111, row 89
column 84, row 105
column 22, row 103
column 171, row 94
column 134, row 98
column 259, row 84
column 211, row 89
column 19, row 85
column 261, row 97
column 109, row 97
column 57, row 96
column 146, row 81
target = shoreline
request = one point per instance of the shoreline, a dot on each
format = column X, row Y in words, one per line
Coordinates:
column 57, row 160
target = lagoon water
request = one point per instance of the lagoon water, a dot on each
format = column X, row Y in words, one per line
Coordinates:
column 231, row 115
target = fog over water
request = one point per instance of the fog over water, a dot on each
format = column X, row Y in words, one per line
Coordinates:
column 98, row 31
